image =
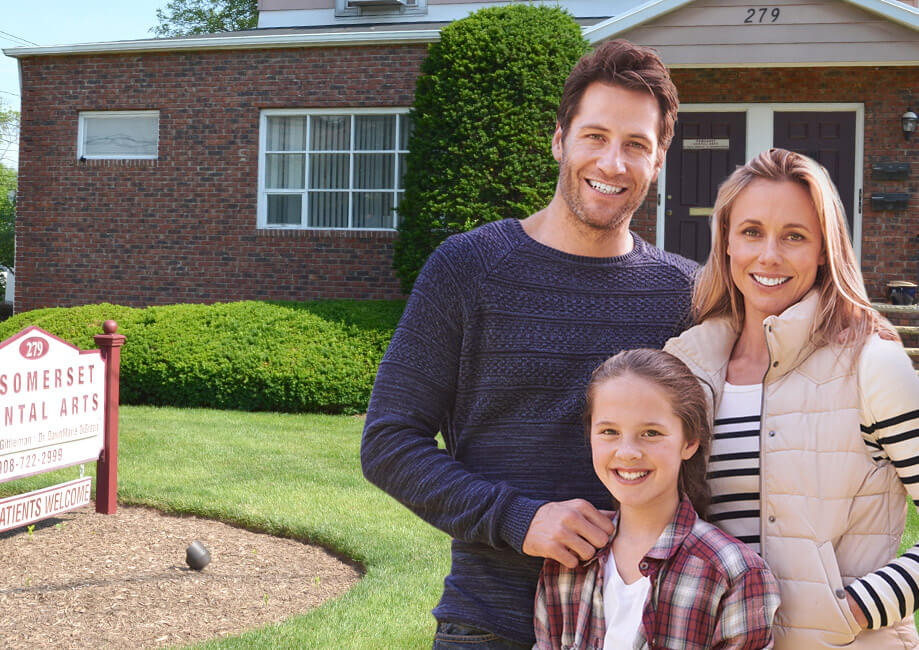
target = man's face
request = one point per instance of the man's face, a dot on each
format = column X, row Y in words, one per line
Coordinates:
column 609, row 155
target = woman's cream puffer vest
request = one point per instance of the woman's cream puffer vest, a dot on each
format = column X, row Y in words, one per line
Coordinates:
column 829, row 513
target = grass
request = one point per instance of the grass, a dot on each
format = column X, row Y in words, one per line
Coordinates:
column 297, row 476
column 291, row 475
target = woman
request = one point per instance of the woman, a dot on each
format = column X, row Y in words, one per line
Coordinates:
column 816, row 409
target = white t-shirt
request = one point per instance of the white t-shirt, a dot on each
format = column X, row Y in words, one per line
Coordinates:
column 622, row 606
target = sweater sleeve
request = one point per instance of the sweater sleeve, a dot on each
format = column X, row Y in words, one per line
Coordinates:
column 412, row 399
column 890, row 427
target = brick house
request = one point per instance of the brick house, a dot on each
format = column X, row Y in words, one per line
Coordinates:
column 265, row 164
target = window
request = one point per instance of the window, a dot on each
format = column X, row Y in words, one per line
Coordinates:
column 118, row 134
column 349, row 8
column 332, row 170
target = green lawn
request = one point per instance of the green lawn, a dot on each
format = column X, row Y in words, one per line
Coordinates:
column 299, row 476
column 293, row 475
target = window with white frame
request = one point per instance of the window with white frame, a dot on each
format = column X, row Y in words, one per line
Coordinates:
column 332, row 170
column 118, row 135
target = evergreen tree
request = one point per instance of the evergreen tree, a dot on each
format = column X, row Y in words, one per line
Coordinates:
column 7, row 225
column 484, row 115
column 9, row 140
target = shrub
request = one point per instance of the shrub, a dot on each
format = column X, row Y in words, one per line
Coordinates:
column 484, row 114
column 255, row 356
column 7, row 213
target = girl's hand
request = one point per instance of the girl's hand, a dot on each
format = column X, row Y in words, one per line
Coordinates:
column 857, row 612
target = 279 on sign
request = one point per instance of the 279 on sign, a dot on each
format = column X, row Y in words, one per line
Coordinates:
column 33, row 347
column 762, row 14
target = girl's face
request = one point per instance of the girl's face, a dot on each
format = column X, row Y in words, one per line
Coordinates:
column 775, row 246
column 638, row 443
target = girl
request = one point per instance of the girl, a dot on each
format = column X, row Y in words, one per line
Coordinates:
column 666, row 579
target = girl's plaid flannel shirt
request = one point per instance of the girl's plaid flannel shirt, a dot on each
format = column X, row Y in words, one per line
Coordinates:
column 708, row 590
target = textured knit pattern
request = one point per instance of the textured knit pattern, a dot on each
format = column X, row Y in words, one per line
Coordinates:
column 708, row 590
column 496, row 344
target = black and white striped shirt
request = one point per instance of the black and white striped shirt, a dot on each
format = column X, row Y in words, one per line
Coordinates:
column 889, row 410
column 733, row 468
column 890, row 428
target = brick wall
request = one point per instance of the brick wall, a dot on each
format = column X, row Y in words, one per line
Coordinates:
column 183, row 228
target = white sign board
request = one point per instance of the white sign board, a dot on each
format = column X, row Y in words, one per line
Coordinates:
column 52, row 408
column 718, row 144
column 24, row 509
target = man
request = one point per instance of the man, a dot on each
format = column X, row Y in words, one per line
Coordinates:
column 498, row 340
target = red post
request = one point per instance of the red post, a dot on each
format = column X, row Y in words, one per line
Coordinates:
column 109, row 345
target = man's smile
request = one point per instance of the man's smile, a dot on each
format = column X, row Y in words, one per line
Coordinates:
column 604, row 188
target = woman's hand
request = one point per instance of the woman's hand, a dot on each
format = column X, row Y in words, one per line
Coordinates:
column 857, row 612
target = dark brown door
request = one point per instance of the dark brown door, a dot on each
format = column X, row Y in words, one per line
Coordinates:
column 706, row 148
column 828, row 138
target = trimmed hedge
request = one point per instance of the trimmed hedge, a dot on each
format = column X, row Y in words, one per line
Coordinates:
column 317, row 357
column 484, row 115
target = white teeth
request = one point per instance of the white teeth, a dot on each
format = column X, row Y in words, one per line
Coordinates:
column 606, row 189
column 631, row 476
column 770, row 282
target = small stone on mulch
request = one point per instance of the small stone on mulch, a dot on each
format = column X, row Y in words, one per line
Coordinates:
column 85, row 580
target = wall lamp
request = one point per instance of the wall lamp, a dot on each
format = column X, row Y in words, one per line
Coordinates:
column 908, row 122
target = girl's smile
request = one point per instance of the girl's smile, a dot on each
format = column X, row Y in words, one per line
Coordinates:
column 638, row 444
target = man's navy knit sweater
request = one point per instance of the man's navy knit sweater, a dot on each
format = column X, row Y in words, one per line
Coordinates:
column 494, row 350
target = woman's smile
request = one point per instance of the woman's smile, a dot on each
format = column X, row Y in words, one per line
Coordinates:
column 775, row 246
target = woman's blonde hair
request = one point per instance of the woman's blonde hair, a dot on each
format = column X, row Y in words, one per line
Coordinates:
column 844, row 313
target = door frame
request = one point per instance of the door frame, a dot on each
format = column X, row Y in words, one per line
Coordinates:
column 760, row 137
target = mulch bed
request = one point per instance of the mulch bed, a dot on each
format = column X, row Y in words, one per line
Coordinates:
column 85, row 580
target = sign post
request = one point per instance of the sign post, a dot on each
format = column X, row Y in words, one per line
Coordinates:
column 109, row 344
column 58, row 408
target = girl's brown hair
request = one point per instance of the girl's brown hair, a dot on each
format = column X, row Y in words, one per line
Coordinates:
column 687, row 399
column 844, row 313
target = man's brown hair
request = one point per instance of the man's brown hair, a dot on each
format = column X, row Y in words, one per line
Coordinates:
column 624, row 64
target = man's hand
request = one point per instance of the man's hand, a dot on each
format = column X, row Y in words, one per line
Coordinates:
column 567, row 532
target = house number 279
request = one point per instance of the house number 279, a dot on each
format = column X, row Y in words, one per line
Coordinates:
column 765, row 14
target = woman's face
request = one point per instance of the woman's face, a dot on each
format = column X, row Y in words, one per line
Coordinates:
column 775, row 246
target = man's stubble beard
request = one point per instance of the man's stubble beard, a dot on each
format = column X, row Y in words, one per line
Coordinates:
column 570, row 184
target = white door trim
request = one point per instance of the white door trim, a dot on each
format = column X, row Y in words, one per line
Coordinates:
column 760, row 137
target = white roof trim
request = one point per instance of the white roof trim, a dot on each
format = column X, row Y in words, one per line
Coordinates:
column 233, row 42
column 893, row 11
column 632, row 18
